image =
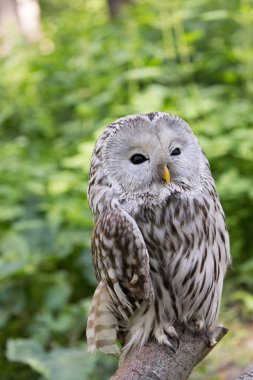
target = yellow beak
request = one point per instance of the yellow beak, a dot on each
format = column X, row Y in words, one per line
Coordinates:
column 166, row 174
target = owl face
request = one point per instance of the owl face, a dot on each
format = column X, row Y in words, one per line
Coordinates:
column 147, row 154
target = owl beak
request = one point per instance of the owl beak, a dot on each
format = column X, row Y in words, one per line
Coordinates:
column 166, row 174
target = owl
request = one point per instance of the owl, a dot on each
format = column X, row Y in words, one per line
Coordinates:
column 160, row 243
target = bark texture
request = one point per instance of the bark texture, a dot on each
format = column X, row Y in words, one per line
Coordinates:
column 157, row 362
column 248, row 375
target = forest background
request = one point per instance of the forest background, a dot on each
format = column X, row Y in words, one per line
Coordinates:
column 57, row 93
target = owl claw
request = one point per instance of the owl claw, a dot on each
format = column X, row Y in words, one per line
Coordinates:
column 209, row 338
column 134, row 279
column 206, row 333
column 177, row 343
column 170, row 330
column 199, row 325
column 161, row 334
column 172, row 348
column 212, row 341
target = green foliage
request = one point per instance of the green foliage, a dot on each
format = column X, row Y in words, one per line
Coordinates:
column 192, row 58
column 59, row 363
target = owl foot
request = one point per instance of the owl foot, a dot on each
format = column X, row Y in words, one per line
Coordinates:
column 199, row 325
column 167, row 335
column 209, row 338
column 206, row 333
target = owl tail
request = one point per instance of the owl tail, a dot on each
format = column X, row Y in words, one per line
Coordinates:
column 102, row 324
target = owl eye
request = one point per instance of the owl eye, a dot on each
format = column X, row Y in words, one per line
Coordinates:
column 138, row 158
column 175, row 152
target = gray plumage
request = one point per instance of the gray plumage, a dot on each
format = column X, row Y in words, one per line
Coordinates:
column 160, row 244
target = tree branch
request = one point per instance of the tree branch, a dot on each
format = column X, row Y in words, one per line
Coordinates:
column 158, row 362
column 248, row 375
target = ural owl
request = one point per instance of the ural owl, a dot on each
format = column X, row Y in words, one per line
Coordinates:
column 160, row 244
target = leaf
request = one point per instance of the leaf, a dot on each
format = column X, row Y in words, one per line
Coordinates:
column 57, row 364
column 29, row 352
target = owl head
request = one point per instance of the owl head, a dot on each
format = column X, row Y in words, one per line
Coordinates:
column 148, row 155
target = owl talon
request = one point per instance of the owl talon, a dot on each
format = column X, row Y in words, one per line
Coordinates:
column 134, row 279
column 177, row 343
column 172, row 348
column 161, row 334
column 170, row 330
column 199, row 325
column 212, row 341
column 208, row 337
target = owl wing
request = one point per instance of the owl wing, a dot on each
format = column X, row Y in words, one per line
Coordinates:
column 122, row 268
column 121, row 259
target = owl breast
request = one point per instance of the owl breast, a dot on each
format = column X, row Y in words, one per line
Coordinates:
column 187, row 242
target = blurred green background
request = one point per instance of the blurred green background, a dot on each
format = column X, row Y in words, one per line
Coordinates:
column 193, row 58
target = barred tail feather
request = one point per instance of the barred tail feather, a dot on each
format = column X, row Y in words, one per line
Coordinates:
column 101, row 329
